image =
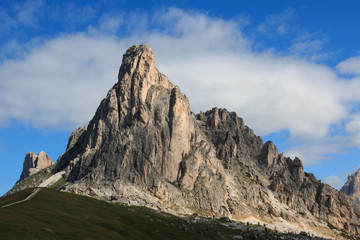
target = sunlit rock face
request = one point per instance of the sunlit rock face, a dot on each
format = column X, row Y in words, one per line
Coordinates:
column 144, row 146
column 352, row 186
column 34, row 163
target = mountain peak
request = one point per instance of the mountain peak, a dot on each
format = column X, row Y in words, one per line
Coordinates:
column 144, row 146
column 352, row 186
column 137, row 57
column 139, row 64
column 138, row 50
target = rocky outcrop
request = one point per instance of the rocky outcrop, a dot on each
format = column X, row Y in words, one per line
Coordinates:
column 352, row 186
column 145, row 146
column 34, row 163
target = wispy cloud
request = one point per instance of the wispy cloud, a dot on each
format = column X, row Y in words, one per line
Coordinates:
column 334, row 181
column 314, row 151
column 277, row 23
column 27, row 12
column 350, row 66
column 107, row 24
column 309, row 46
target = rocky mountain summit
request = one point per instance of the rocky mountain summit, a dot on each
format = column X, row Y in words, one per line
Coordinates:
column 352, row 186
column 144, row 146
column 34, row 163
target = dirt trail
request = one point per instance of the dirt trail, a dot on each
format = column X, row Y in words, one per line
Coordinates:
column 51, row 180
column 37, row 190
column 48, row 182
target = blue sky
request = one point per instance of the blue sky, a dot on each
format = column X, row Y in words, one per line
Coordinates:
column 290, row 69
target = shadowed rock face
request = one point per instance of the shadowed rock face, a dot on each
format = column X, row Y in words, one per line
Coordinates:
column 34, row 163
column 352, row 186
column 145, row 146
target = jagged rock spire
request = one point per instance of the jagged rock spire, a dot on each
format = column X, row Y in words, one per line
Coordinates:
column 144, row 143
column 137, row 74
column 153, row 113
column 34, row 163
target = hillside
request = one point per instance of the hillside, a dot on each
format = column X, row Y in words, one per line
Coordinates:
column 53, row 214
column 35, row 180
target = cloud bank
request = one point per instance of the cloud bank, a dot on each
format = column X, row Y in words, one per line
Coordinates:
column 60, row 82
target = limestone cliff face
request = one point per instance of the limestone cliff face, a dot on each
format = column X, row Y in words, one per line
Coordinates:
column 34, row 163
column 275, row 180
column 352, row 186
column 145, row 146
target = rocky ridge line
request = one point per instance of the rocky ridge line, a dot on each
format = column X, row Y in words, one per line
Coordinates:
column 144, row 146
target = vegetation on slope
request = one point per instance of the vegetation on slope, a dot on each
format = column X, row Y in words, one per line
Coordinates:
column 32, row 181
column 53, row 214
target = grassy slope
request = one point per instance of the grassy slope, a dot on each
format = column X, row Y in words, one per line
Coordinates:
column 56, row 215
column 53, row 214
column 32, row 181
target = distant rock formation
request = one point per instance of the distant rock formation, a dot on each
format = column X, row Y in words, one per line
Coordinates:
column 352, row 186
column 34, row 163
column 144, row 146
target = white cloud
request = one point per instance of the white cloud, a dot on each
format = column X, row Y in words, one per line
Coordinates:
column 270, row 92
column 353, row 129
column 354, row 124
column 196, row 33
column 315, row 151
column 334, row 181
column 60, row 83
column 350, row 66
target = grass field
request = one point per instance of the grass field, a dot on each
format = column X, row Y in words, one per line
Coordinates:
column 57, row 215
